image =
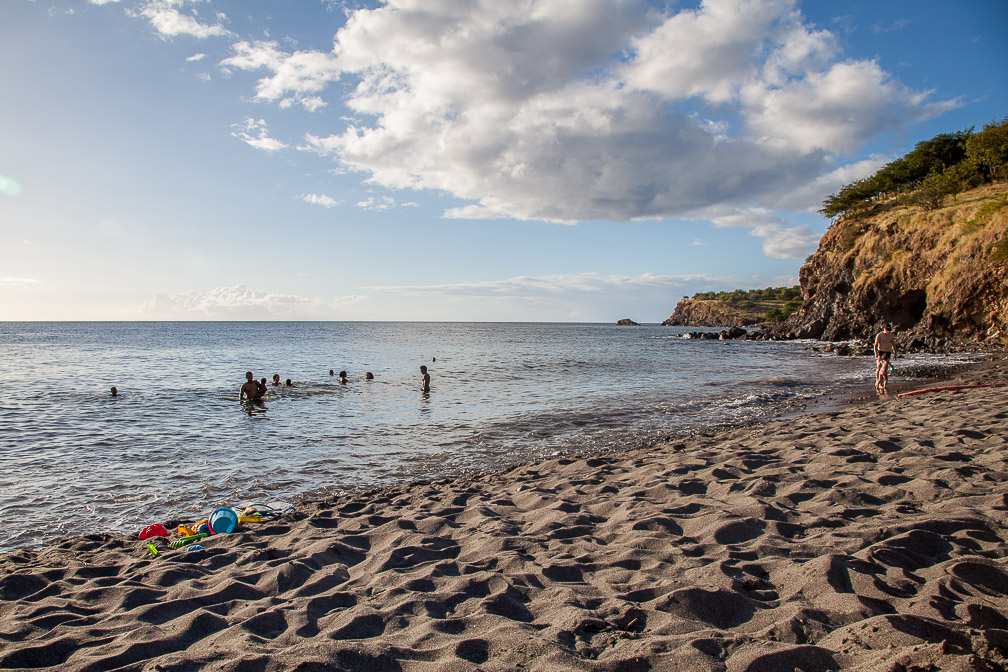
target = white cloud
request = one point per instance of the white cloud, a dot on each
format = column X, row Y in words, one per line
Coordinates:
column 254, row 132
column 102, row 2
column 294, row 76
column 241, row 303
column 319, row 199
column 377, row 204
column 532, row 287
column 835, row 110
column 10, row 281
column 809, row 196
column 168, row 21
column 526, row 109
column 578, row 297
column 898, row 24
column 196, row 57
column 713, row 51
column 781, row 239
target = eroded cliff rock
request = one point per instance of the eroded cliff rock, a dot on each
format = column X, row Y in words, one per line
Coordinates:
column 701, row 313
column 940, row 277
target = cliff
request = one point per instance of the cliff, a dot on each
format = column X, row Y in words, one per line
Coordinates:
column 940, row 277
column 706, row 313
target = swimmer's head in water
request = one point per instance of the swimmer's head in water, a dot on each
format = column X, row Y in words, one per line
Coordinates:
column 289, row 383
column 331, row 372
column 248, row 375
column 369, row 376
column 115, row 392
column 276, row 378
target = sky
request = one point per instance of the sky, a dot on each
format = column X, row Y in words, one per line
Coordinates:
column 463, row 160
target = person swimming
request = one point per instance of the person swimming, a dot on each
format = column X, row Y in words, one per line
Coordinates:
column 288, row 383
column 276, row 379
column 115, row 391
column 343, row 377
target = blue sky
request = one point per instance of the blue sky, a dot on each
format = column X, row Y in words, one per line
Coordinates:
column 558, row 160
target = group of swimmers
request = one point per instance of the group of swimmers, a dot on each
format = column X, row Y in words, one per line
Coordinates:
column 255, row 390
column 343, row 376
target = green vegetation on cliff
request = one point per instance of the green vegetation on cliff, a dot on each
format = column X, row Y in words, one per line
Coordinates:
column 773, row 304
column 943, row 166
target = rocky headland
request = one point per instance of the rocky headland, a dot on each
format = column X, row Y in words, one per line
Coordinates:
column 940, row 277
column 706, row 313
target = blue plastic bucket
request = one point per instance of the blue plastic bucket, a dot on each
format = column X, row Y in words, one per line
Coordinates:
column 223, row 520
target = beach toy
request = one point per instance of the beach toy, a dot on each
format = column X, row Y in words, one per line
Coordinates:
column 252, row 519
column 179, row 543
column 152, row 549
column 203, row 528
column 195, row 547
column 223, row 520
column 184, row 531
column 153, row 531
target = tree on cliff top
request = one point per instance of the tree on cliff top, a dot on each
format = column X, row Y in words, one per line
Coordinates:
column 989, row 147
column 944, row 165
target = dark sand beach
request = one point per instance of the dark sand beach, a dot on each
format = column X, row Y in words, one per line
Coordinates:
column 869, row 538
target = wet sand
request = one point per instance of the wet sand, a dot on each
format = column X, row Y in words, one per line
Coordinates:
column 869, row 538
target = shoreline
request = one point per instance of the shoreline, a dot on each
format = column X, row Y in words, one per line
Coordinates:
column 869, row 537
column 324, row 438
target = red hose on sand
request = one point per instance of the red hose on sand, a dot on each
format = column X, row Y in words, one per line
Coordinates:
column 947, row 388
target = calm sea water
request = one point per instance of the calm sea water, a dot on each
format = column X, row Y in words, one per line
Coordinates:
column 177, row 442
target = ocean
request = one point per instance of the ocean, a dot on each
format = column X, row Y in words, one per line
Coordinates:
column 177, row 442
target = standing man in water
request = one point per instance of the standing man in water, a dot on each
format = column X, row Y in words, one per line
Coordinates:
column 424, row 379
column 252, row 390
column 885, row 348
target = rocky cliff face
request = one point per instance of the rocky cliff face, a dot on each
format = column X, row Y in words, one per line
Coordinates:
column 700, row 313
column 941, row 277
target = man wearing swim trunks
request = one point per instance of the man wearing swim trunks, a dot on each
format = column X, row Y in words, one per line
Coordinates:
column 885, row 348
column 252, row 390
